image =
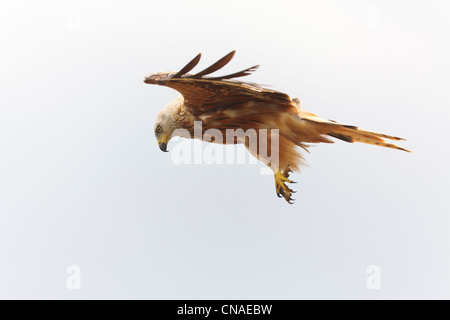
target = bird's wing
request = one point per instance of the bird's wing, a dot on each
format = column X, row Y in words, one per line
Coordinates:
column 205, row 94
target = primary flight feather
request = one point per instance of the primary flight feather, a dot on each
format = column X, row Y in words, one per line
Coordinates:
column 225, row 104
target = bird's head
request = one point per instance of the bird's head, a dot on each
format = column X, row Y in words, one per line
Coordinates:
column 163, row 129
column 165, row 124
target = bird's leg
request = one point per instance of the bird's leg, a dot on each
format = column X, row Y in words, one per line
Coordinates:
column 281, row 178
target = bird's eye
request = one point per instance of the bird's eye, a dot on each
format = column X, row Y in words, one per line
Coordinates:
column 158, row 129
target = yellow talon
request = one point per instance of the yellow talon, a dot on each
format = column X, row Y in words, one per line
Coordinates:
column 280, row 178
column 280, row 185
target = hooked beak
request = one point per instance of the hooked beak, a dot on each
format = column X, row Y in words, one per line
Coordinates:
column 163, row 143
column 163, row 147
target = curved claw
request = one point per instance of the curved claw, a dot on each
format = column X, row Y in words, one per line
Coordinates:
column 289, row 199
column 282, row 189
column 288, row 190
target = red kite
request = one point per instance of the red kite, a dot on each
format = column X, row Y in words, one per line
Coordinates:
column 224, row 103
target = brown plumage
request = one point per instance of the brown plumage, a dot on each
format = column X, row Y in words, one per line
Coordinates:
column 224, row 103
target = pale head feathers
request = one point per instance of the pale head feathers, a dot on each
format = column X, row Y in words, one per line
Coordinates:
column 168, row 118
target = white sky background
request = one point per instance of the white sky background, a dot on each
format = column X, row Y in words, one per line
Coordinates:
column 82, row 181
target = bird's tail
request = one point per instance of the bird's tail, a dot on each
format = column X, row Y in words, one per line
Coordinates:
column 349, row 133
column 354, row 134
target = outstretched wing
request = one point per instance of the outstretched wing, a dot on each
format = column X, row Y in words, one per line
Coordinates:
column 204, row 94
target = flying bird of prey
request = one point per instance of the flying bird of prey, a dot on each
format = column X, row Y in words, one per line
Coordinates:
column 224, row 103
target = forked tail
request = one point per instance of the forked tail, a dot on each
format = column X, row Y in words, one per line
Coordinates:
column 354, row 134
column 349, row 133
